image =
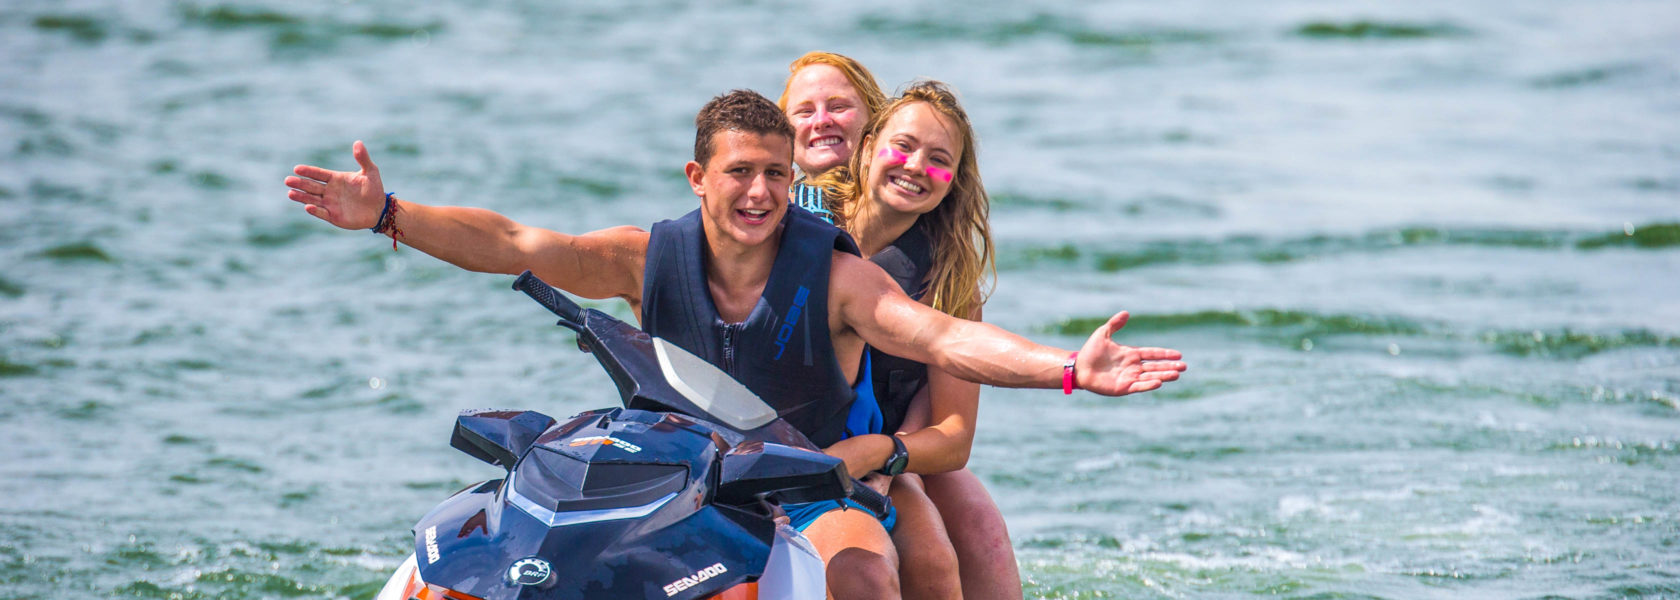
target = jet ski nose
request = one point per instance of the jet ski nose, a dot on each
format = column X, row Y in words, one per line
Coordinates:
column 554, row 487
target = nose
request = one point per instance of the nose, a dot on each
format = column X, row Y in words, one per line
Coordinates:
column 760, row 188
column 915, row 161
column 821, row 118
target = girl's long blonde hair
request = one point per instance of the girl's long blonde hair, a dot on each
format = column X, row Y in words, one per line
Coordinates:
column 959, row 228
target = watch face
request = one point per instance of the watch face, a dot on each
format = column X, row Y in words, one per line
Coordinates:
column 899, row 460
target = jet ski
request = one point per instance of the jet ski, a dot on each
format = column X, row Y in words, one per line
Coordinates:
column 675, row 495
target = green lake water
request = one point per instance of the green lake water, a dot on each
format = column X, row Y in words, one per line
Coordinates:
column 1423, row 259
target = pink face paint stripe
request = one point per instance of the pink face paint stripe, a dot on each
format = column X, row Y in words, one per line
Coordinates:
column 940, row 174
column 893, row 155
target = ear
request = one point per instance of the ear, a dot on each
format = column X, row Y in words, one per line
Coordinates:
column 865, row 156
column 696, row 177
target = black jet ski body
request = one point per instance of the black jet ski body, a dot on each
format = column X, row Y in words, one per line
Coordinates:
column 672, row 496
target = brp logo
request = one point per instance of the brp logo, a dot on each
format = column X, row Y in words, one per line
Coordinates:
column 529, row 571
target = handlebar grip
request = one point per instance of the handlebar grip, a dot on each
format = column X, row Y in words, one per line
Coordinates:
column 549, row 297
column 871, row 500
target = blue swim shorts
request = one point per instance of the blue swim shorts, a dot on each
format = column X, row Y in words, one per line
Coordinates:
column 803, row 515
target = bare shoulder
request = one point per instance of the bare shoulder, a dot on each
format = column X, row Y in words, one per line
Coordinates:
column 869, row 303
column 851, row 265
column 851, row 274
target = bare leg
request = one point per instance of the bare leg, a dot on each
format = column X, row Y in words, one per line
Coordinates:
column 861, row 562
column 927, row 564
column 978, row 534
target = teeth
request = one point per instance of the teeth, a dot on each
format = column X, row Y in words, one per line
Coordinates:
column 825, row 142
column 757, row 213
column 907, row 185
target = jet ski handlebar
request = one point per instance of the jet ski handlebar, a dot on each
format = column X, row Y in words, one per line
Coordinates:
column 547, row 296
column 870, row 499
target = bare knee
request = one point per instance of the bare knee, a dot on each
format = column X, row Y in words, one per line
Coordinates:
column 859, row 573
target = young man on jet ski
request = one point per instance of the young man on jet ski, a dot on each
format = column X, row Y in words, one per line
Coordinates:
column 775, row 297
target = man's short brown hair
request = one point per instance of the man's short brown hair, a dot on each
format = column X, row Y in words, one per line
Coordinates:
column 739, row 110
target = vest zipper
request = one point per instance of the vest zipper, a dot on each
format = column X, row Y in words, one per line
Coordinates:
column 729, row 331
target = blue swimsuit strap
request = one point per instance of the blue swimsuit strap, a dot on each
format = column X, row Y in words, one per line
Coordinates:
column 810, row 198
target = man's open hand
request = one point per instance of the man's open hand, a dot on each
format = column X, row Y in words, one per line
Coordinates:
column 348, row 200
column 1111, row 369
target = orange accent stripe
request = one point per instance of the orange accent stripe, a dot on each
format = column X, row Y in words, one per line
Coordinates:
column 434, row 592
column 414, row 586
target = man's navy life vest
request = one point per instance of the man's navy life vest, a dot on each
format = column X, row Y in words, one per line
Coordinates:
column 782, row 351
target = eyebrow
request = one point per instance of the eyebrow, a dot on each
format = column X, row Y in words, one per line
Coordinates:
column 784, row 165
column 807, row 101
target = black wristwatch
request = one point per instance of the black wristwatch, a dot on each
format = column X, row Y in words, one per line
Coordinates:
column 900, row 458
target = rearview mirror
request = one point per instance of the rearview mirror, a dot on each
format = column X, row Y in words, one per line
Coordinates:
column 785, row 474
column 498, row 437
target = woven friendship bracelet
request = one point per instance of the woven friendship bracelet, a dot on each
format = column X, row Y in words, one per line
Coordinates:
column 387, row 223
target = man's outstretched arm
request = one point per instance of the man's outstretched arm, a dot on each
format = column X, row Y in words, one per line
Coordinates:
column 875, row 307
column 601, row 264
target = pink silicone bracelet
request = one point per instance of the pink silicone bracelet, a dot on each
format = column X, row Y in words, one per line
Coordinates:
column 1067, row 374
